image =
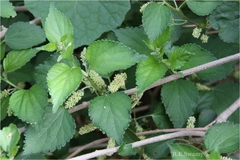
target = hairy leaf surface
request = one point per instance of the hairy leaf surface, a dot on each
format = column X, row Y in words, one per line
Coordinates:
column 108, row 56
column 53, row 132
column 180, row 100
column 29, row 105
column 111, row 113
column 62, row 81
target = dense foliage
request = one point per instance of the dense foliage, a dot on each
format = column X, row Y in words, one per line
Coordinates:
column 118, row 69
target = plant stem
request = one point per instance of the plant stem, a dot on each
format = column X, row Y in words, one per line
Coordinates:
column 9, row 82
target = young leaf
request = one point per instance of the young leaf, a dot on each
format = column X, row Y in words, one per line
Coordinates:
column 148, row 72
column 9, row 137
column 155, row 19
column 59, row 31
column 202, row 56
column 107, row 56
column 7, row 10
column 223, row 137
column 183, row 151
column 62, row 81
column 111, row 113
column 203, row 7
column 178, row 58
column 29, row 105
column 133, row 38
column 90, row 19
column 17, row 59
column 125, row 149
column 4, row 106
column 23, row 35
column 180, row 100
column 53, row 132
column 225, row 18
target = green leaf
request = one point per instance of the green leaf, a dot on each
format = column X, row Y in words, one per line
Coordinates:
column 4, row 106
column 9, row 137
column 223, row 137
column 158, row 150
column 7, row 10
column 178, row 58
column 205, row 100
column 202, row 7
column 29, row 105
column 125, row 149
column 222, row 102
column 202, row 56
column 206, row 117
column 90, row 19
column 107, row 56
column 160, row 118
column 55, row 130
column 133, row 38
column 180, row 100
column 225, row 18
column 160, row 40
column 62, row 81
column 59, row 31
column 155, row 19
column 23, row 35
column 2, row 50
column 183, row 151
column 148, row 72
column 111, row 113
column 214, row 155
column 17, row 59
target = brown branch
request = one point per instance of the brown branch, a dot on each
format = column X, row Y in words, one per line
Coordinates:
column 20, row 9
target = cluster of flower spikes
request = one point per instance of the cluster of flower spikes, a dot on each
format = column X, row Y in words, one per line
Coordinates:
column 74, row 99
column 118, row 82
column 196, row 34
column 191, row 121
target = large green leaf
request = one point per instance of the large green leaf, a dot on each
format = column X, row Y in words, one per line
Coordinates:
column 148, row 72
column 23, row 35
column 155, row 19
column 16, row 59
column 107, row 56
column 62, row 81
column 111, row 113
column 223, row 137
column 180, row 100
column 29, row 105
column 225, row 18
column 202, row 56
column 222, row 102
column 9, row 137
column 184, row 151
column 59, row 31
column 89, row 18
column 203, row 7
column 55, row 130
column 7, row 10
column 133, row 38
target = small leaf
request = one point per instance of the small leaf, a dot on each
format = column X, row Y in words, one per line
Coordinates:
column 107, row 56
column 214, row 155
column 62, row 81
column 183, row 151
column 148, row 72
column 7, row 10
column 111, row 113
column 29, row 105
column 206, row 117
column 223, row 137
column 158, row 150
column 4, row 106
column 205, row 100
column 160, row 118
column 23, row 35
column 133, row 38
column 203, row 7
column 9, row 137
column 17, row 59
column 125, row 149
column 180, row 100
column 178, row 58
column 225, row 18
column 50, row 47
column 55, row 130
column 2, row 50
column 155, row 19
column 56, row 27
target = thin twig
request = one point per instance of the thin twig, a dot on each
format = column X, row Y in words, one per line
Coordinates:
column 20, row 9
column 140, row 143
